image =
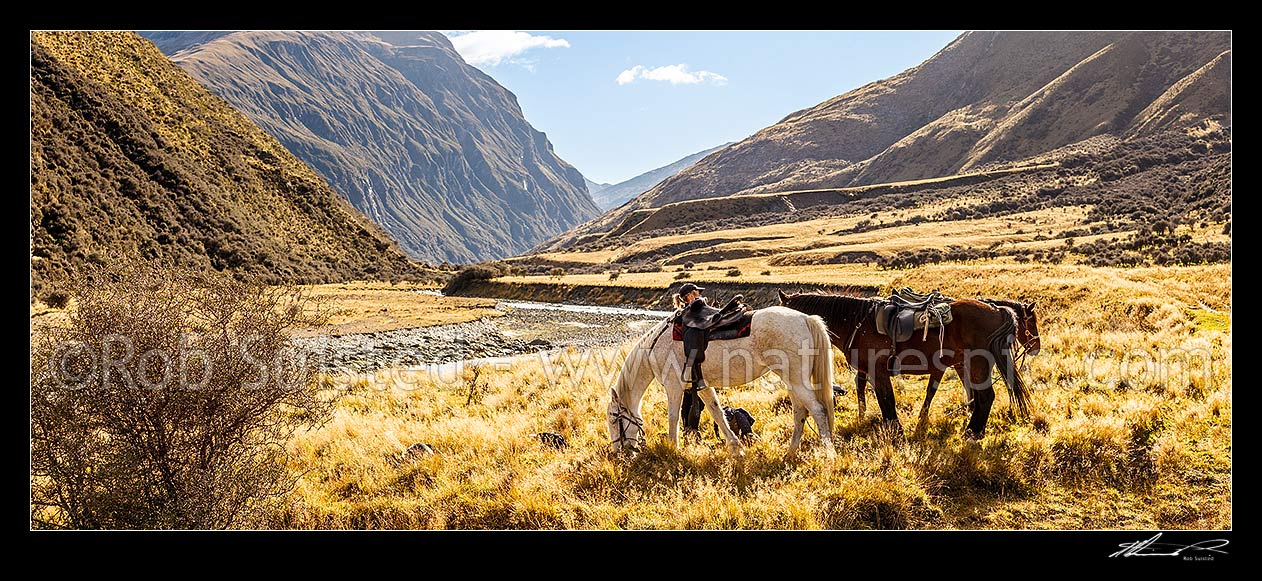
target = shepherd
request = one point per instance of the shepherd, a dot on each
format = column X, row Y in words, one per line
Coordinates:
column 695, row 315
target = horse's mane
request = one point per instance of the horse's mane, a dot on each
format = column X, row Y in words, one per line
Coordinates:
column 636, row 356
column 1017, row 307
column 835, row 309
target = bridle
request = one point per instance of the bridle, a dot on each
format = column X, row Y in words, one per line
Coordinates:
column 624, row 417
column 1024, row 346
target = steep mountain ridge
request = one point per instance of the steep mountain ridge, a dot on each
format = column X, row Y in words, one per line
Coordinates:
column 429, row 147
column 132, row 158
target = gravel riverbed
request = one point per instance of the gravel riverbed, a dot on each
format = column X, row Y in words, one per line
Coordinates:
column 519, row 331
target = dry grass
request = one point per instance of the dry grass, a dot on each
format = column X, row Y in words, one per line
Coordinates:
column 354, row 307
column 370, row 307
column 1131, row 429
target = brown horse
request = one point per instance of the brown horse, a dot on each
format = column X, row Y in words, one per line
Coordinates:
column 1027, row 339
column 978, row 338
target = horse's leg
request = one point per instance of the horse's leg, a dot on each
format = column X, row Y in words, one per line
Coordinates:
column 674, row 401
column 799, row 424
column 711, row 400
column 861, row 390
column 819, row 414
column 935, row 376
column 981, row 412
column 884, row 390
column 981, row 385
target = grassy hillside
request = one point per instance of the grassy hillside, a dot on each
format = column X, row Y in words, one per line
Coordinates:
column 987, row 98
column 1160, row 199
column 1131, row 428
column 131, row 158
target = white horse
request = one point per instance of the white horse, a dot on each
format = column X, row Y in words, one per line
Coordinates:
column 792, row 344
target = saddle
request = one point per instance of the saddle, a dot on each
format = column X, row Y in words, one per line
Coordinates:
column 903, row 315
column 699, row 323
column 731, row 321
column 906, row 312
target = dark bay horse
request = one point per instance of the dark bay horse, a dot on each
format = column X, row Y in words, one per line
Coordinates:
column 978, row 339
column 1027, row 339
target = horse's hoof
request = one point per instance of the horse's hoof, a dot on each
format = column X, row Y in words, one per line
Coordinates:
column 971, row 436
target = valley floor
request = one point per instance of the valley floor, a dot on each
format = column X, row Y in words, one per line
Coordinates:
column 1131, row 429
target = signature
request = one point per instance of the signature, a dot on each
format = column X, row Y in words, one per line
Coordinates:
column 1151, row 548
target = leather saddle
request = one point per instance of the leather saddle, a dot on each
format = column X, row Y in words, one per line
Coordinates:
column 731, row 321
column 906, row 312
column 699, row 323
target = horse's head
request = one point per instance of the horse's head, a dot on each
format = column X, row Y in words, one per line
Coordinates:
column 1030, row 329
column 626, row 430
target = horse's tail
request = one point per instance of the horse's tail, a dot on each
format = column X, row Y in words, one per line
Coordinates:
column 822, row 366
column 1000, row 346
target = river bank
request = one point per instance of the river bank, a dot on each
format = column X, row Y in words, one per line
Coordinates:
column 522, row 328
column 756, row 295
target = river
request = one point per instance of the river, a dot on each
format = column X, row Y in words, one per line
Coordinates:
column 524, row 328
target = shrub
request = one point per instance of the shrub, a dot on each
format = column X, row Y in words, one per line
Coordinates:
column 166, row 402
column 614, row 275
column 766, row 273
column 556, row 272
column 733, row 272
column 57, row 299
column 683, row 275
column 467, row 276
column 688, row 265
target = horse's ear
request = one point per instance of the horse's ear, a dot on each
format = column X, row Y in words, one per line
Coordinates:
column 783, row 297
column 1030, row 307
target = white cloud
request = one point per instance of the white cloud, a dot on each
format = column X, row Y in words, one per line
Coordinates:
column 493, row 47
column 673, row 74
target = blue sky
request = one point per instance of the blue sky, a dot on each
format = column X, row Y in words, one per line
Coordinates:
column 618, row 103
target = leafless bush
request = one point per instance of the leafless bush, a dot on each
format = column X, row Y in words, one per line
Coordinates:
column 166, row 400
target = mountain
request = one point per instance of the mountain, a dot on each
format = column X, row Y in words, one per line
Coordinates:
column 594, row 188
column 131, row 157
column 610, row 196
column 429, row 147
column 986, row 99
